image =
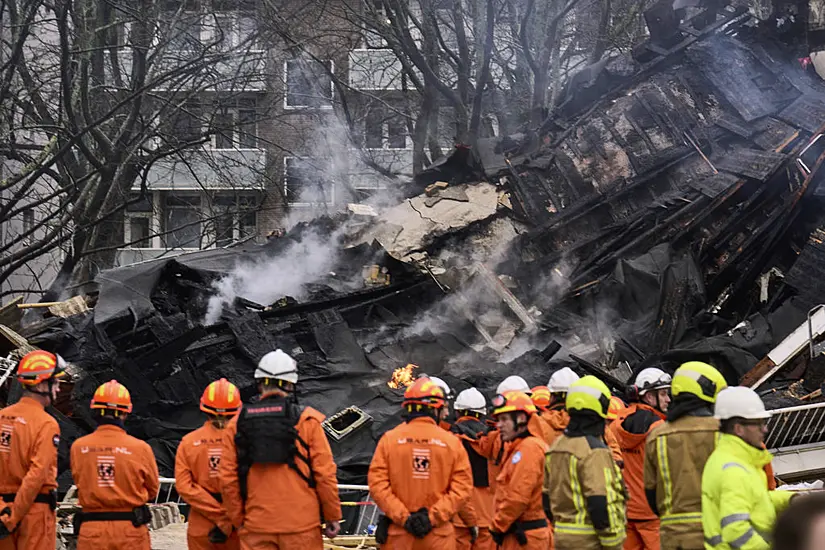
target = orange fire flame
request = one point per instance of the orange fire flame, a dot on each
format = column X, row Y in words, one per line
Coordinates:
column 402, row 377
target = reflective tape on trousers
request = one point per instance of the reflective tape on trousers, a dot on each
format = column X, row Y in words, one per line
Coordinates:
column 673, row 519
column 575, row 529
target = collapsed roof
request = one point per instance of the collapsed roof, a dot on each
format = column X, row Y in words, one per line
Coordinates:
column 666, row 201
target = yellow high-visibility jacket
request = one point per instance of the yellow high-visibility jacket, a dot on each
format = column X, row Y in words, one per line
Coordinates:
column 738, row 510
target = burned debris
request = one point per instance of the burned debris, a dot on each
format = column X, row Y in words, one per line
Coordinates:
column 669, row 209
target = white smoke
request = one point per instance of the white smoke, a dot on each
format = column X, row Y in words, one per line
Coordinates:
column 303, row 262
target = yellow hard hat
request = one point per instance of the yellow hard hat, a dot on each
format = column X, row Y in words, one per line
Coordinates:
column 699, row 379
column 588, row 394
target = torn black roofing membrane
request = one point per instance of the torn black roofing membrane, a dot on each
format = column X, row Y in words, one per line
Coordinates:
column 635, row 227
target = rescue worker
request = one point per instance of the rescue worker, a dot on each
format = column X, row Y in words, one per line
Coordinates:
column 116, row 476
column 738, row 510
column 420, row 475
column 651, row 393
column 615, row 409
column 444, row 414
column 676, row 452
column 277, row 476
column 583, row 491
column 29, row 437
column 519, row 520
column 197, row 464
column 474, row 531
column 555, row 415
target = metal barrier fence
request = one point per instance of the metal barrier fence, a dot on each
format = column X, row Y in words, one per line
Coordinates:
column 796, row 426
column 365, row 525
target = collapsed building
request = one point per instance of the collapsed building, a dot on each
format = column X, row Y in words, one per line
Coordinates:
column 669, row 209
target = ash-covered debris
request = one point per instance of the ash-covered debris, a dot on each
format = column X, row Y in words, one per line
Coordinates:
column 658, row 215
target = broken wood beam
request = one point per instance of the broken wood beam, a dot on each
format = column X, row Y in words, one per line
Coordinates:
column 512, row 302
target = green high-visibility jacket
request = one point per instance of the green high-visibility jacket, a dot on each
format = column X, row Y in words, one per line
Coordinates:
column 738, row 510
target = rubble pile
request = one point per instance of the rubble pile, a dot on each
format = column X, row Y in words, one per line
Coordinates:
column 661, row 213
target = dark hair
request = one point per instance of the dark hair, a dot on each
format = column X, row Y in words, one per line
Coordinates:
column 793, row 527
column 726, row 425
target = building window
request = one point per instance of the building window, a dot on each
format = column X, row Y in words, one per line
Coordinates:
column 182, row 221
column 28, row 221
column 181, row 26
column 305, row 183
column 236, row 125
column 308, row 84
column 185, row 123
column 235, row 24
column 139, row 213
column 384, row 129
column 235, row 218
column 377, row 17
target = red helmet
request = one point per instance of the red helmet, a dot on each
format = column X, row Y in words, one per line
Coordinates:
column 221, row 398
column 112, row 396
column 424, row 392
column 38, row 366
column 541, row 397
column 513, row 401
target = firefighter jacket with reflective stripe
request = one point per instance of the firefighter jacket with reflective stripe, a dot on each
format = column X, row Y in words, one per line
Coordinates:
column 586, row 494
column 675, row 455
column 738, row 510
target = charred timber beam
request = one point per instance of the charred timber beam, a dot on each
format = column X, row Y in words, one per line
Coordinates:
column 599, row 373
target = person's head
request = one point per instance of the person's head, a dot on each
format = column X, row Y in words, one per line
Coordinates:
column 697, row 380
column 588, row 396
column 277, row 374
column 111, row 402
column 513, row 383
column 512, row 412
column 470, row 402
column 653, row 386
column 541, row 397
column 802, row 525
column 741, row 413
column 424, row 398
column 444, row 412
column 559, row 384
column 39, row 372
column 615, row 409
column 221, row 400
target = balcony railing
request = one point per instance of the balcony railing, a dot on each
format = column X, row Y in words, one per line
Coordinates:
column 214, row 169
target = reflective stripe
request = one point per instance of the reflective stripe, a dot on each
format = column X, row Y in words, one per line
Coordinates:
column 587, row 390
column 741, row 541
column 575, row 529
column 714, row 541
column 611, row 541
column 687, row 517
column 611, row 497
column 664, row 467
column 578, row 497
column 733, row 518
column 733, row 465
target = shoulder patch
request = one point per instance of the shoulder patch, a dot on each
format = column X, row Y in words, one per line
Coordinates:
column 595, row 442
column 56, row 440
column 516, row 457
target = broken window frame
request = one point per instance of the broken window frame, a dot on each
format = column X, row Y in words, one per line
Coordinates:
column 323, row 102
column 329, row 194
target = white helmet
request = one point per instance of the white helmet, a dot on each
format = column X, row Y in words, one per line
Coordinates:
column 448, row 391
column 652, row 379
column 471, row 400
column 741, row 402
column 561, row 379
column 279, row 366
column 513, row 383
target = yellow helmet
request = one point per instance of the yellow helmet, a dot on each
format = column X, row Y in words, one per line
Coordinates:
column 588, row 394
column 699, row 379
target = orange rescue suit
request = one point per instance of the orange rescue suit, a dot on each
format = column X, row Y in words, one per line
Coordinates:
column 281, row 509
column 113, row 472
column 418, row 465
column 196, row 478
column 28, row 467
column 519, row 490
column 478, row 511
column 631, row 429
column 558, row 419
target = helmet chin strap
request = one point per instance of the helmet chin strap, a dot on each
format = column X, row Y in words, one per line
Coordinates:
column 47, row 393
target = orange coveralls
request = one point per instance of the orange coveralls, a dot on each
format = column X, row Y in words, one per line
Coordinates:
column 113, row 472
column 518, row 490
column 281, row 510
column 642, row 523
column 28, row 467
column 196, row 478
column 478, row 511
column 558, row 419
column 418, row 465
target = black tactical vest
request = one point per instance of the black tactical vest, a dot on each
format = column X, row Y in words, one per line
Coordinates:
column 478, row 464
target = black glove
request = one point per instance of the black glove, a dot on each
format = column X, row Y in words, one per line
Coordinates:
column 473, row 535
column 216, row 536
column 498, row 537
column 4, row 531
column 418, row 524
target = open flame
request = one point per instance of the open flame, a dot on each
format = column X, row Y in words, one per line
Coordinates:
column 402, row 377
